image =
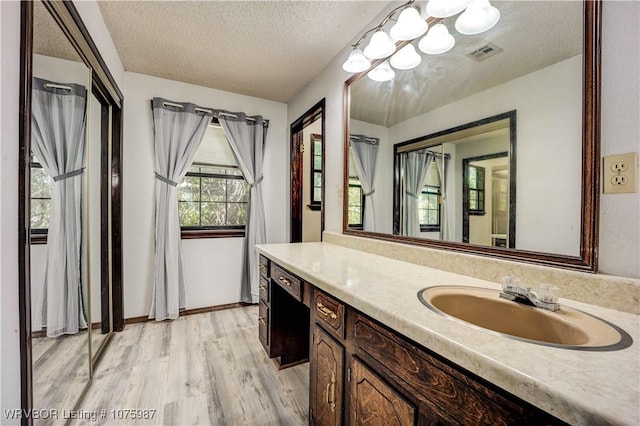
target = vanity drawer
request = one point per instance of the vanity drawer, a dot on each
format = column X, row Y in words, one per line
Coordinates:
column 329, row 312
column 286, row 280
column 264, row 290
column 263, row 324
column 264, row 267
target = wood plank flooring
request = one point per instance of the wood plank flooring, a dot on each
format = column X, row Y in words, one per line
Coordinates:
column 204, row 369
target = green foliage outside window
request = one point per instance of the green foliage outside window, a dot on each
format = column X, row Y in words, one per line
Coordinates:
column 355, row 204
column 40, row 197
column 213, row 198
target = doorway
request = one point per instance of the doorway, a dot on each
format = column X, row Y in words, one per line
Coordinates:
column 307, row 175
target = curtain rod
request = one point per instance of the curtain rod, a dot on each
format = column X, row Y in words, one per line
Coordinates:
column 212, row 112
column 57, row 86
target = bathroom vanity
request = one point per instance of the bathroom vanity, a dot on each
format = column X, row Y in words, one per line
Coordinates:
column 378, row 354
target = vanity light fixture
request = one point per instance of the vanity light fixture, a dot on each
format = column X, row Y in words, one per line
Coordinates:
column 406, row 58
column 382, row 72
column 446, row 8
column 437, row 41
column 478, row 17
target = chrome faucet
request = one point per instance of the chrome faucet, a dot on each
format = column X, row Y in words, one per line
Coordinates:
column 545, row 298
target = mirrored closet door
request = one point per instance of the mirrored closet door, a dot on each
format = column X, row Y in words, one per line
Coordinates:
column 70, row 286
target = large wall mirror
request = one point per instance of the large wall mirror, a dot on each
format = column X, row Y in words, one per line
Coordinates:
column 491, row 147
column 70, row 282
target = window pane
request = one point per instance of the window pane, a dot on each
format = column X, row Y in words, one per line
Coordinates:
column 317, row 194
column 433, row 217
column 213, row 189
column 213, row 214
column 317, row 179
column 237, row 190
column 188, row 213
column 189, row 189
column 317, row 148
column 354, row 196
column 354, row 215
column 317, row 163
column 40, row 183
column 236, row 214
column 40, row 212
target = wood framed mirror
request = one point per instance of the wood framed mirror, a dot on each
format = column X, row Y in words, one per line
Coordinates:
column 551, row 82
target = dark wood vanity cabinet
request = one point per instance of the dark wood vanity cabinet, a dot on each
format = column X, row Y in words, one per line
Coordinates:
column 363, row 373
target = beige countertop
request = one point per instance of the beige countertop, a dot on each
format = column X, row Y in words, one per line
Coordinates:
column 579, row 387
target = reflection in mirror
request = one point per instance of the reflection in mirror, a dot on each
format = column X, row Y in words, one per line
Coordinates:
column 455, row 186
column 530, row 63
column 60, row 308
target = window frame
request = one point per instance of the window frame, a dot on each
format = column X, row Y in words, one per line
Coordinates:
column 481, row 210
column 315, row 139
column 431, row 227
column 37, row 235
column 208, row 231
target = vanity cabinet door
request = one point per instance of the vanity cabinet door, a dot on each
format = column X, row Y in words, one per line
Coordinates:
column 374, row 402
column 326, row 370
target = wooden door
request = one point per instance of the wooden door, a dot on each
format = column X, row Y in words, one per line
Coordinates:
column 327, row 366
column 374, row 402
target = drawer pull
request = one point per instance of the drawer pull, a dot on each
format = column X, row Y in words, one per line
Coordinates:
column 263, row 287
column 262, row 321
column 326, row 311
column 284, row 281
column 331, row 393
column 263, row 266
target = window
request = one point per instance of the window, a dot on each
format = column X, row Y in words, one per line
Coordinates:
column 475, row 184
column 213, row 197
column 41, row 185
column 429, row 209
column 316, row 171
column 355, row 204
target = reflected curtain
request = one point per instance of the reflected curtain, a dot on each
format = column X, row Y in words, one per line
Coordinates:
column 447, row 215
column 417, row 165
column 365, row 154
column 178, row 131
column 58, row 142
column 247, row 136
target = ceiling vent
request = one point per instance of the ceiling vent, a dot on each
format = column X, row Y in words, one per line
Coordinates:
column 484, row 52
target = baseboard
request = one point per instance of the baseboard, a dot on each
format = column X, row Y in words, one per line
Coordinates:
column 145, row 318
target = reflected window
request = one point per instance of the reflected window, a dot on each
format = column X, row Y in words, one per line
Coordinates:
column 429, row 209
column 356, row 204
column 41, row 184
column 475, row 184
column 214, row 195
column 316, row 170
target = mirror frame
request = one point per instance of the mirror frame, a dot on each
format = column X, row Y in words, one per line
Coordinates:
column 587, row 260
column 68, row 19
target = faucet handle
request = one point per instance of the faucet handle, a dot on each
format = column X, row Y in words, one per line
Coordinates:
column 510, row 283
column 547, row 293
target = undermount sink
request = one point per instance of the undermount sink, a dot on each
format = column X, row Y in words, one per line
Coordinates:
column 567, row 328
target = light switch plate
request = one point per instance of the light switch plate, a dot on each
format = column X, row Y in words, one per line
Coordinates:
column 620, row 173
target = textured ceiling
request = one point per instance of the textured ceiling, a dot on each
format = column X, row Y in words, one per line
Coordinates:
column 268, row 49
column 48, row 38
column 532, row 34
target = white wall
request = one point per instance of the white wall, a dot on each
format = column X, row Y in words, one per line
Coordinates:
column 213, row 266
column 619, row 229
column 311, row 219
column 619, row 225
column 9, row 320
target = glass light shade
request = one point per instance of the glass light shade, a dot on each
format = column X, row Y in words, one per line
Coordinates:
column 356, row 62
column 406, row 58
column 380, row 46
column 409, row 25
column 437, row 41
column 479, row 17
column 382, row 72
column 446, row 8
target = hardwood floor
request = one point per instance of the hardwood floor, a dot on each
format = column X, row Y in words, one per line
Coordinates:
column 197, row 370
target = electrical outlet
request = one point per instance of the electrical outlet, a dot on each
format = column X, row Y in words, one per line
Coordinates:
column 620, row 173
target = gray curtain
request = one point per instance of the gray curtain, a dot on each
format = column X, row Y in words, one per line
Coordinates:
column 58, row 142
column 416, row 166
column 365, row 154
column 247, row 137
column 178, row 131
